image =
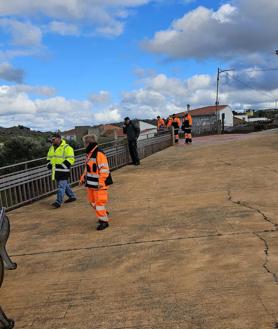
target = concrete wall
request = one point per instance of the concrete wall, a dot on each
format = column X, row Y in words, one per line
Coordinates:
column 204, row 125
column 80, row 132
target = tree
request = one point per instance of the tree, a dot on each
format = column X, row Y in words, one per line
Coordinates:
column 19, row 149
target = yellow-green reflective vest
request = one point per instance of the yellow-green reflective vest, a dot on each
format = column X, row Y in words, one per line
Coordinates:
column 61, row 159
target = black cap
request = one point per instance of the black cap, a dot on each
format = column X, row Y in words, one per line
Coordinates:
column 158, row 117
column 56, row 135
column 127, row 118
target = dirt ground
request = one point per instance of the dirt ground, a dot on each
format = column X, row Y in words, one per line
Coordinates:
column 192, row 245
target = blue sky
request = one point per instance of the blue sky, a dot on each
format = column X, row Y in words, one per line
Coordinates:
column 65, row 63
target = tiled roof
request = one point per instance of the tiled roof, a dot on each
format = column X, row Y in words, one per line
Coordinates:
column 110, row 127
column 207, row 110
column 108, row 130
column 69, row 132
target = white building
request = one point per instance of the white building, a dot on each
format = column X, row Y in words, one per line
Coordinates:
column 146, row 130
column 223, row 112
column 208, row 114
column 257, row 119
column 245, row 117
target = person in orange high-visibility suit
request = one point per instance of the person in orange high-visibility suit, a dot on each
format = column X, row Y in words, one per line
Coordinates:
column 187, row 128
column 97, row 179
column 176, row 124
column 160, row 123
column 169, row 122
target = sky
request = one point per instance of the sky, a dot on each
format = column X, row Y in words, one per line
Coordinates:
column 65, row 63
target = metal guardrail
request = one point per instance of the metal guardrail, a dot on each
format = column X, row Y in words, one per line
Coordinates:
column 30, row 181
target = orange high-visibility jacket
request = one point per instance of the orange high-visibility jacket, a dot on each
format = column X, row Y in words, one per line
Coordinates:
column 160, row 123
column 176, row 123
column 189, row 119
column 169, row 123
column 96, row 170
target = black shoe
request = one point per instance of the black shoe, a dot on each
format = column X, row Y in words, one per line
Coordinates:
column 70, row 200
column 55, row 205
column 102, row 225
column 137, row 164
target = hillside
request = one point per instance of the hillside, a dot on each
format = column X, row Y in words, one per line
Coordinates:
column 21, row 131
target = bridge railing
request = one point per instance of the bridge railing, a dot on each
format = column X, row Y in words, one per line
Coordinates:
column 29, row 181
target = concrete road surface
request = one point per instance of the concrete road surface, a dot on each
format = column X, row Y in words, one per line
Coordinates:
column 193, row 244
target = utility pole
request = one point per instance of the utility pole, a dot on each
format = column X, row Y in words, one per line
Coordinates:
column 219, row 71
column 276, row 52
column 217, row 88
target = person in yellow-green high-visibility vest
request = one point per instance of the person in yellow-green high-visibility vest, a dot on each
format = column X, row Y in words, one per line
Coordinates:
column 60, row 158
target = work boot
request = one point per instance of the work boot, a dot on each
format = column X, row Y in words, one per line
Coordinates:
column 55, row 204
column 102, row 225
column 70, row 200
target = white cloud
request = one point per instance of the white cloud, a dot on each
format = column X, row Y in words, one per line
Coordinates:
column 225, row 14
column 164, row 95
column 36, row 90
column 63, row 28
column 11, row 103
column 8, row 54
column 102, row 97
column 143, row 97
column 104, row 17
column 107, row 116
column 49, row 113
column 9, row 73
column 157, row 95
column 244, row 28
column 23, row 34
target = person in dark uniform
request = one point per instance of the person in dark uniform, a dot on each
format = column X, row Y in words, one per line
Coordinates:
column 132, row 132
column 187, row 128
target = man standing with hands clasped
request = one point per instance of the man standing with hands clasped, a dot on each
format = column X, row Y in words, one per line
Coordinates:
column 132, row 131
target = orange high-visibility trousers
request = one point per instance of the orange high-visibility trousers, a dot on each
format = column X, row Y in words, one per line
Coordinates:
column 98, row 200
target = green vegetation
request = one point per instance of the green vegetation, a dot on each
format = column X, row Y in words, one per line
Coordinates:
column 19, row 144
column 20, row 148
column 270, row 114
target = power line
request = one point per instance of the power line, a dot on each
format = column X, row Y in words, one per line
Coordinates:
column 259, row 70
column 250, row 87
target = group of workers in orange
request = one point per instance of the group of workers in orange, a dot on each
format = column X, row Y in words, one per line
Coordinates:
column 175, row 122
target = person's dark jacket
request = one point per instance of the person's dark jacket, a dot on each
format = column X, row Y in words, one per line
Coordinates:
column 132, row 131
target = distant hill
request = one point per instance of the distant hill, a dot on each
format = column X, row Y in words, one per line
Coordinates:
column 21, row 131
column 267, row 113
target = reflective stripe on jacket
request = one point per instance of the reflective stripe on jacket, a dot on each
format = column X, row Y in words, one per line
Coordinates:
column 97, row 170
column 61, row 159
